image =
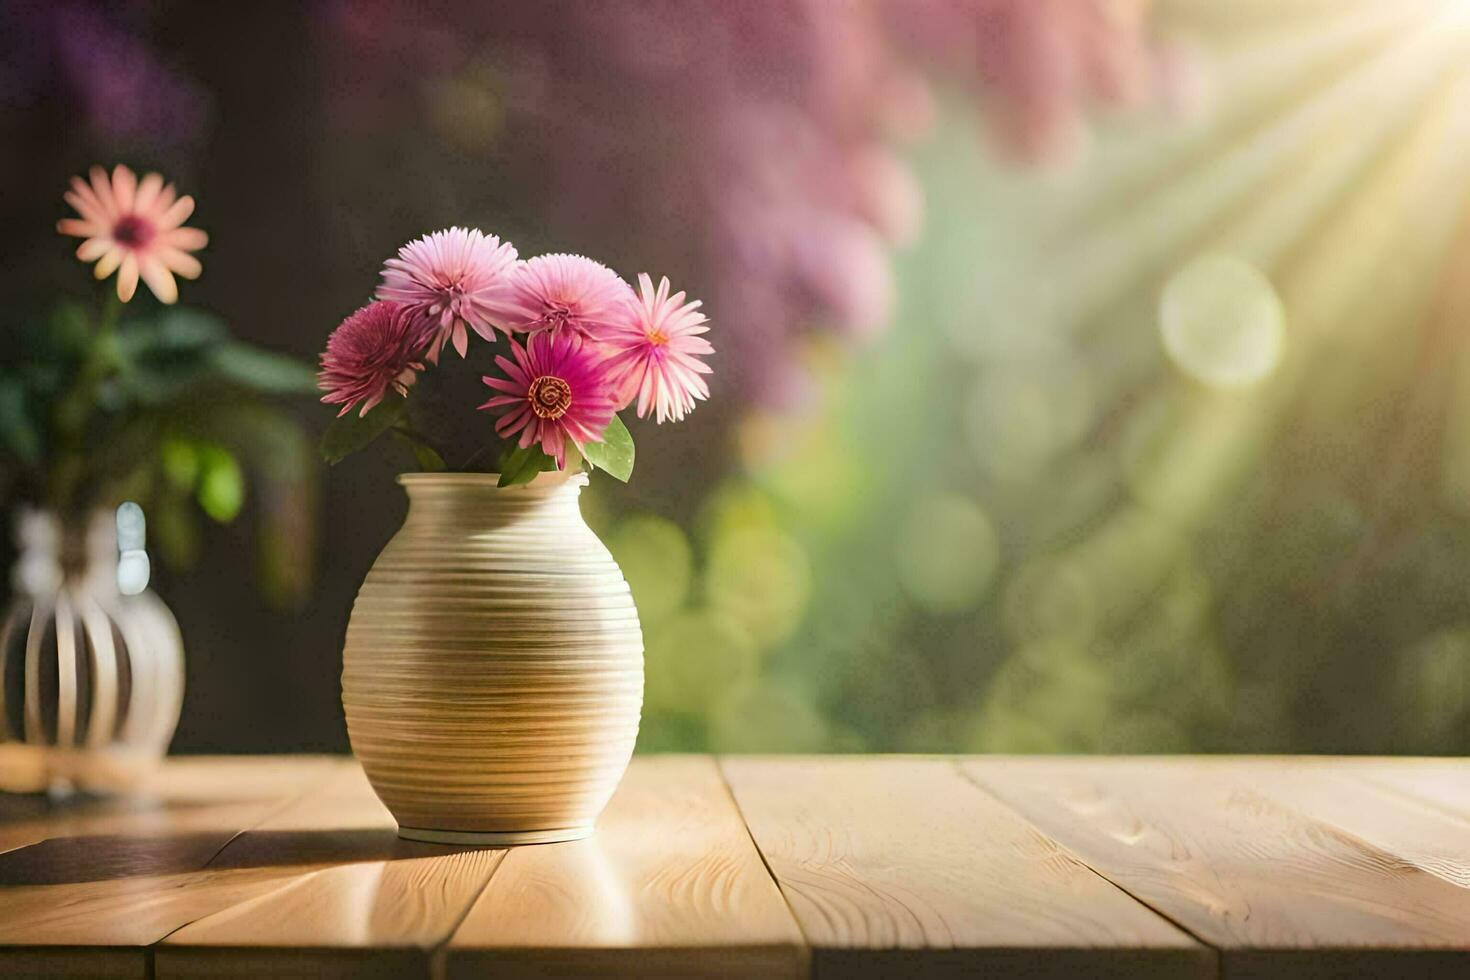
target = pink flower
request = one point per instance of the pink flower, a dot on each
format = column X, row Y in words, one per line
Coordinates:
column 377, row 348
column 447, row 279
column 135, row 228
column 657, row 355
column 550, row 292
column 556, row 389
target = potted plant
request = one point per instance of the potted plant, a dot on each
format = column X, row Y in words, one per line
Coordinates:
column 493, row 665
column 106, row 402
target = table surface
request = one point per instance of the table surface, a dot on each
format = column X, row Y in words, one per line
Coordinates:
column 774, row 866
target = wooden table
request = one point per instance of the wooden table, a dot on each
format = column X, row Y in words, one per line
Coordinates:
column 769, row 867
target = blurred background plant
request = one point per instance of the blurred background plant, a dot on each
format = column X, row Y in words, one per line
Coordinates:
column 102, row 402
column 1090, row 376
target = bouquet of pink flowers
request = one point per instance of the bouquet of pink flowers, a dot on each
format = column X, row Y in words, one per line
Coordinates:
column 581, row 346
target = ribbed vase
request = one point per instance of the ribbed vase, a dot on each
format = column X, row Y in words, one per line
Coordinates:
column 91, row 681
column 493, row 671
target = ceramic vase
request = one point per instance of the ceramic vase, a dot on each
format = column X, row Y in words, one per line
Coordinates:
column 91, row 681
column 492, row 673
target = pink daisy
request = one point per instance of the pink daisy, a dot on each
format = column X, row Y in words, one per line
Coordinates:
column 376, row 348
column 134, row 228
column 556, row 389
column 446, row 279
column 657, row 355
column 556, row 291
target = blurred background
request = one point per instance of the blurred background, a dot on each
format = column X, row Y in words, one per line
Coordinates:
column 1093, row 374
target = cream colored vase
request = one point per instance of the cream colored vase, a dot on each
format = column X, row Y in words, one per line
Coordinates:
column 493, row 670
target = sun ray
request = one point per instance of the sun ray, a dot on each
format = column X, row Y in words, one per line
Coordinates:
column 1101, row 267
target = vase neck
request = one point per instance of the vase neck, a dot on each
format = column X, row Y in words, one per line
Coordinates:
column 472, row 501
column 53, row 551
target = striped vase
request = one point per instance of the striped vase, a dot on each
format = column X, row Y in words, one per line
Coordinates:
column 91, row 681
column 492, row 675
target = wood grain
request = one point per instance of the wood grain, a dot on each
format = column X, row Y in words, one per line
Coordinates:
column 199, row 793
column 1333, row 793
column 1278, row 891
column 670, row 885
column 493, row 669
column 360, row 901
column 895, row 865
column 1441, row 783
column 102, row 886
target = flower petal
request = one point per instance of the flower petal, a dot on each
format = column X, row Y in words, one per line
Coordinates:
column 189, row 239
column 109, row 262
column 159, row 279
column 177, row 214
column 77, row 228
column 124, row 188
column 147, row 195
column 127, row 277
column 181, row 262
column 93, row 249
column 102, row 187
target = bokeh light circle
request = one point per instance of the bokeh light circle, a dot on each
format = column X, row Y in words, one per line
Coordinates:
column 1222, row 323
column 657, row 561
column 946, row 553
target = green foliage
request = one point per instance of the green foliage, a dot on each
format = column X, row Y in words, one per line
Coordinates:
column 221, row 489
column 614, row 454
column 19, row 436
column 424, row 455
column 351, row 432
column 168, row 409
column 262, row 371
column 520, row 465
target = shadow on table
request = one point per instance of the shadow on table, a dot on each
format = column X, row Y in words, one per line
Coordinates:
column 105, row 857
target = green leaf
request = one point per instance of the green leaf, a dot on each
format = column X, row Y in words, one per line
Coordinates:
column 221, row 490
column 180, row 463
column 519, row 465
column 615, row 452
column 425, row 455
column 262, row 370
column 351, row 432
column 18, row 433
column 69, row 330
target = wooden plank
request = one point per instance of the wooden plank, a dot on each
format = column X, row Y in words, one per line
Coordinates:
column 103, row 885
column 1278, row 892
column 895, row 866
column 670, row 885
column 361, row 902
column 1336, row 793
column 1442, row 783
column 193, row 793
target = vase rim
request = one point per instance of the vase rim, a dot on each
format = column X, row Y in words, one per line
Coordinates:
column 489, row 480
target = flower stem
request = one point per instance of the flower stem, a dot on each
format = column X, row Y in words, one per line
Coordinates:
column 74, row 409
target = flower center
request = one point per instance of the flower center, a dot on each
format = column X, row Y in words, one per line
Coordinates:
column 658, row 338
column 556, row 316
column 550, row 397
column 132, row 231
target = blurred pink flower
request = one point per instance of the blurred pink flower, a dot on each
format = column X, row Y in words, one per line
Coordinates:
column 657, row 356
column 446, row 279
column 556, row 389
column 135, row 229
column 377, row 348
column 552, row 292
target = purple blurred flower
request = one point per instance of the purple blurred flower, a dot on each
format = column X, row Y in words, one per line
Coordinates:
column 126, row 94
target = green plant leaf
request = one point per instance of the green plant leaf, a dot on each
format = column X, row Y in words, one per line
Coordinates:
column 614, row 453
column 180, row 463
column 221, row 490
column 518, row 465
column 351, row 432
column 18, row 433
column 262, row 370
column 425, row 455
